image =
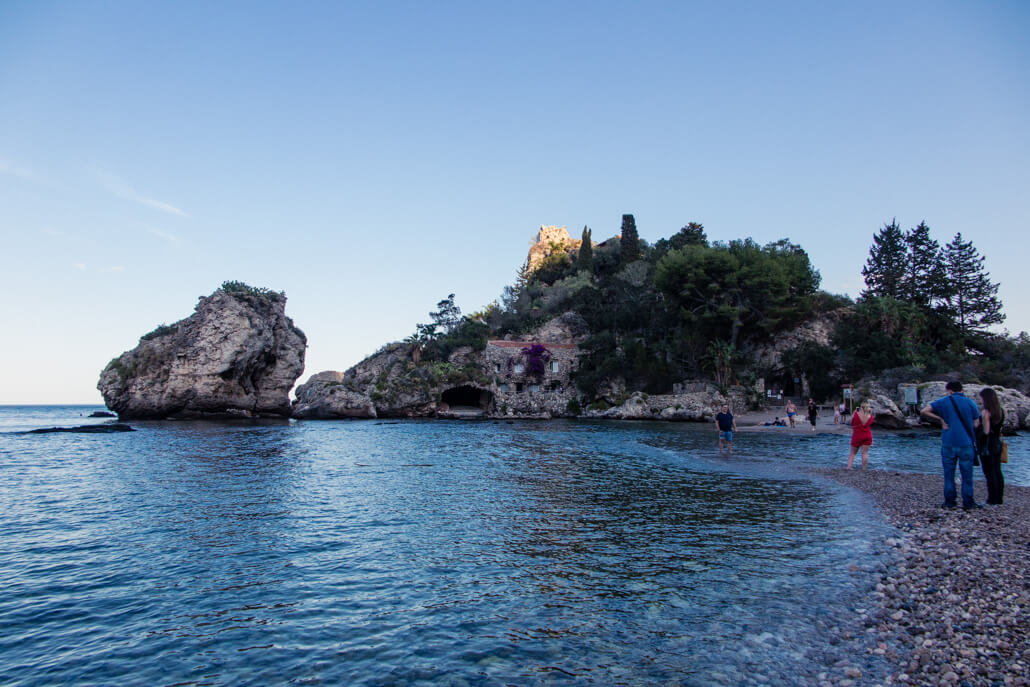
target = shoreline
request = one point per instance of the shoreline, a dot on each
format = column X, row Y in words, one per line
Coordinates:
column 952, row 604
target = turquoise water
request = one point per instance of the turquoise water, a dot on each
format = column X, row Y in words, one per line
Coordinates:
column 432, row 552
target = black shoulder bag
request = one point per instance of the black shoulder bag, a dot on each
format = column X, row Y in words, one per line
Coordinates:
column 969, row 431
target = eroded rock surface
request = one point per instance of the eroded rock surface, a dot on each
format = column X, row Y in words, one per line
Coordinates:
column 237, row 355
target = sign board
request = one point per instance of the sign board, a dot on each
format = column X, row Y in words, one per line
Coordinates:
column 912, row 396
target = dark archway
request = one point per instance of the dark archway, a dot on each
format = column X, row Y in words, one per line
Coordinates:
column 468, row 397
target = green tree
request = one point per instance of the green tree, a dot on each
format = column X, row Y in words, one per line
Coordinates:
column 448, row 315
column 586, row 252
column 691, row 235
column 881, row 333
column 630, row 242
column 925, row 281
column 887, row 265
column 972, row 299
column 726, row 291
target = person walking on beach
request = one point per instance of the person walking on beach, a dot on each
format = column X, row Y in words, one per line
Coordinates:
column 813, row 412
column 792, row 410
column 958, row 416
column 861, row 434
column 726, row 426
column 837, row 418
column 991, row 419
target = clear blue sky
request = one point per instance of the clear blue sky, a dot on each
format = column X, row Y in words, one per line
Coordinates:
column 370, row 158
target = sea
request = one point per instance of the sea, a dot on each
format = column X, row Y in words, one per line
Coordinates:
column 433, row 552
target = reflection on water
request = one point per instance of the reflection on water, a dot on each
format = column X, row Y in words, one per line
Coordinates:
column 420, row 552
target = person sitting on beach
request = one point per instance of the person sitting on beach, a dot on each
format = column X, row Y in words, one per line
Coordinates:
column 792, row 410
column 861, row 433
column 775, row 423
column 726, row 426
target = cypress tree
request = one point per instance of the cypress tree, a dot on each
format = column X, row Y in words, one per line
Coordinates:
column 586, row 252
column 630, row 240
column 972, row 299
column 887, row 265
column 927, row 276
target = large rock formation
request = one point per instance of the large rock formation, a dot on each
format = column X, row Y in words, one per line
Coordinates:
column 549, row 240
column 237, row 355
column 493, row 382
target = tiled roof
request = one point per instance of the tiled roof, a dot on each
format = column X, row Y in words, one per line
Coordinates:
column 524, row 344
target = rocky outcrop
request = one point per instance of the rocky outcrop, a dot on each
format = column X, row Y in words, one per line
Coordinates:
column 816, row 330
column 695, row 406
column 238, row 355
column 549, row 240
column 492, row 382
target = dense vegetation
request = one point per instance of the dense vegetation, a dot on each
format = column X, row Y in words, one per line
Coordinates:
column 927, row 311
column 687, row 308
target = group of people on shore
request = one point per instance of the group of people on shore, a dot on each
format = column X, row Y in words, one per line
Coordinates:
column 969, row 434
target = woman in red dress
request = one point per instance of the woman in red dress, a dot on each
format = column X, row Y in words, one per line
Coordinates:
column 861, row 434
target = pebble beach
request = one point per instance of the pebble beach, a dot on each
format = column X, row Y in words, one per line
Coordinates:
column 952, row 603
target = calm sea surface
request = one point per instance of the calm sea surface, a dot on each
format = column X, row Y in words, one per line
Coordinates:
column 443, row 553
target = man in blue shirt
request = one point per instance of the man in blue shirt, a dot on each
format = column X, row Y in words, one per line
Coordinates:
column 959, row 417
column 726, row 426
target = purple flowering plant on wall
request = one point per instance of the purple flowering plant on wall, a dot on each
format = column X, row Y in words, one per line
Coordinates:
column 536, row 357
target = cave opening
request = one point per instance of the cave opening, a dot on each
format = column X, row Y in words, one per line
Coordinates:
column 467, row 396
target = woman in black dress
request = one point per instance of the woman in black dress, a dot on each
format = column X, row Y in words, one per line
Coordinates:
column 813, row 412
column 991, row 419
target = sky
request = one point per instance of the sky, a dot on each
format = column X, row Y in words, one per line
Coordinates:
column 370, row 158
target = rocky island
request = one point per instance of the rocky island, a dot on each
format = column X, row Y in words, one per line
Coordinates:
column 238, row 355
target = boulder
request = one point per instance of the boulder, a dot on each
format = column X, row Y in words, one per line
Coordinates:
column 326, row 396
column 886, row 412
column 698, row 406
column 237, row 355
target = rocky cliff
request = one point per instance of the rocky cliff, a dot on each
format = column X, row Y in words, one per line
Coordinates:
column 492, row 382
column 237, row 355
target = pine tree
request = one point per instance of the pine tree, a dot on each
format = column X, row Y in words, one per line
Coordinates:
column 887, row 265
column 972, row 298
column 630, row 240
column 925, row 282
column 448, row 317
column 586, row 253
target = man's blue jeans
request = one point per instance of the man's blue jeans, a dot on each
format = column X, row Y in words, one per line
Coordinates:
column 963, row 455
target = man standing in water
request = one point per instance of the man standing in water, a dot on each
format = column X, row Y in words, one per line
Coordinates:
column 958, row 416
column 726, row 426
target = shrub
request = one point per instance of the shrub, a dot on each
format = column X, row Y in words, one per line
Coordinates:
column 161, row 330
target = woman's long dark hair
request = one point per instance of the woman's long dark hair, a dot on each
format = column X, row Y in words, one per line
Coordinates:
column 993, row 406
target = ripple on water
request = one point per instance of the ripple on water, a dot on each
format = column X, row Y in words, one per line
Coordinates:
column 361, row 553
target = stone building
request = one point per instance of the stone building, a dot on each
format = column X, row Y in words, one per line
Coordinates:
column 517, row 391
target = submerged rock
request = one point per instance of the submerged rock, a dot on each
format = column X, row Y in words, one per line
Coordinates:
column 85, row 429
column 237, row 355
